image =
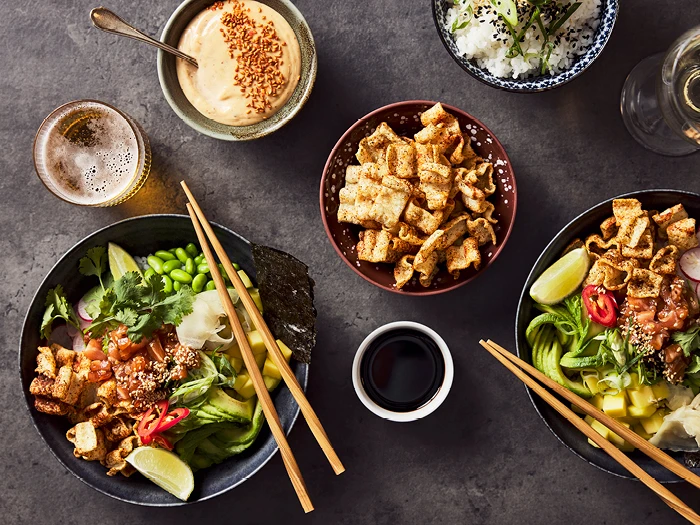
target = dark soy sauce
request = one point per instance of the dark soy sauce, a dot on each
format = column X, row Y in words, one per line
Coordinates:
column 402, row 370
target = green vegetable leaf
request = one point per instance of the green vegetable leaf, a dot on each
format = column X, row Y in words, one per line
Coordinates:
column 57, row 307
column 694, row 367
column 127, row 316
column 94, row 263
column 128, row 289
column 554, row 27
column 689, row 341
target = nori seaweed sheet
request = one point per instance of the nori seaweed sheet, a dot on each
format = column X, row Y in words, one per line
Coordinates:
column 287, row 294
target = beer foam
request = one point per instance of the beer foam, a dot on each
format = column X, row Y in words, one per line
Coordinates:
column 89, row 154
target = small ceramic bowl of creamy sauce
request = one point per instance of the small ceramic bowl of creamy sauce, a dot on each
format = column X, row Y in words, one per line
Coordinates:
column 257, row 65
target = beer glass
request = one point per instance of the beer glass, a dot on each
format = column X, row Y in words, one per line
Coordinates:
column 89, row 153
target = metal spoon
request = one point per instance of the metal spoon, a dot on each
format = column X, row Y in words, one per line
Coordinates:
column 106, row 20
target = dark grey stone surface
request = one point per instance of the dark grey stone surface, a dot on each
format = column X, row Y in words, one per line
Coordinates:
column 484, row 457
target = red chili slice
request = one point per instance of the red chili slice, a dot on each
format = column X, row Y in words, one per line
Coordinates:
column 149, row 422
column 160, row 440
column 601, row 305
column 173, row 418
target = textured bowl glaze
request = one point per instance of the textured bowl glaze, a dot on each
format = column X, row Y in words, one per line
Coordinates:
column 586, row 224
column 141, row 236
column 536, row 84
column 167, row 74
column 404, row 119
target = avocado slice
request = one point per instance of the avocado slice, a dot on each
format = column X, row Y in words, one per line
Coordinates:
column 239, row 411
column 199, row 462
column 555, row 372
column 210, row 450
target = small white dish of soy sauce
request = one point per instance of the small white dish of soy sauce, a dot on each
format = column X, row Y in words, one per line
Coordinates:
column 402, row 371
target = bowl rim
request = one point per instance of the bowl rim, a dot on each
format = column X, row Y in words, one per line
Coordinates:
column 526, row 88
column 233, row 134
column 524, row 296
column 35, row 297
column 341, row 142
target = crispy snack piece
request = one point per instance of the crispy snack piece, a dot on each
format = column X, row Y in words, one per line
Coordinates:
column 381, row 246
column 401, row 160
column 422, row 219
column 115, row 460
column 632, row 230
column 441, row 129
column 463, row 256
column 408, row 233
column 573, row 245
column 487, row 214
column 455, row 229
column 391, row 201
column 644, row 248
column 596, row 245
column 89, row 441
column 118, row 429
column 46, row 363
column 682, row 234
column 669, row 216
column 427, row 267
column 63, row 356
column 644, row 283
column 482, row 230
column 436, row 182
column 665, row 261
column 403, row 271
column 67, row 386
column 373, row 148
column 51, row 406
column 612, row 270
column 609, row 228
column 626, row 209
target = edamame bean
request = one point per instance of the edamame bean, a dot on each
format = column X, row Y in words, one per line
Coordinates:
column 148, row 274
column 210, row 285
column 167, row 284
column 223, row 272
column 199, row 259
column 181, row 254
column 191, row 249
column 203, row 268
column 156, row 263
column 199, row 282
column 177, row 286
column 236, row 266
column 181, row 276
column 189, row 266
column 166, row 256
column 172, row 250
column 169, row 266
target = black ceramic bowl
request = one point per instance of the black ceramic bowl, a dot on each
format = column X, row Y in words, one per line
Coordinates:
column 141, row 236
column 585, row 224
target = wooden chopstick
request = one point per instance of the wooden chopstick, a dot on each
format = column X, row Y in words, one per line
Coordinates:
column 630, row 436
column 249, row 360
column 668, row 497
column 270, row 342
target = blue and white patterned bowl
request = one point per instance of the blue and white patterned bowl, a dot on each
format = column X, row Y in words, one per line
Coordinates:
column 536, row 84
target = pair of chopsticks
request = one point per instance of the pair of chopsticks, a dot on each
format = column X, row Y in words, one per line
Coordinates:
column 514, row 364
column 201, row 225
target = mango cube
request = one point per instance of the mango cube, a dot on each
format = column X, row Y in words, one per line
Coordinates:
column 639, row 430
column 270, row 369
column 240, row 381
column 652, row 424
column 286, row 352
column 234, row 352
column 255, row 296
column 236, row 363
column 271, row 382
column 601, row 429
column 615, row 406
column 616, row 440
column 642, row 396
column 661, row 390
column 634, row 380
column 597, row 401
column 257, row 345
column 636, row 412
column 260, row 359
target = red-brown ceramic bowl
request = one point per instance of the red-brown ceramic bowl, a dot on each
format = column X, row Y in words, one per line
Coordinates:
column 404, row 119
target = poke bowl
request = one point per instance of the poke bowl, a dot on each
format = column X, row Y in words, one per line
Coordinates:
column 481, row 40
column 650, row 392
column 407, row 191
column 141, row 236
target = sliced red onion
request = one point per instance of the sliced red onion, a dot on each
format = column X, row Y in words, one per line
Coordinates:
column 81, row 310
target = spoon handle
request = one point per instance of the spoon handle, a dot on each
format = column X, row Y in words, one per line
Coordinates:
column 106, row 20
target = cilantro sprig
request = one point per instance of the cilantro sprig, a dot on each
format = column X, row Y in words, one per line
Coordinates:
column 689, row 341
column 94, row 263
column 57, row 307
column 141, row 305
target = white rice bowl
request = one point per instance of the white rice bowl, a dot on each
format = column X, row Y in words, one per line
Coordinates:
column 486, row 39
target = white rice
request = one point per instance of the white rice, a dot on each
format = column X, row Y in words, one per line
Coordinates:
column 486, row 38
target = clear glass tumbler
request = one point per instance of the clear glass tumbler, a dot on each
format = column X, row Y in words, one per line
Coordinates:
column 660, row 101
column 91, row 154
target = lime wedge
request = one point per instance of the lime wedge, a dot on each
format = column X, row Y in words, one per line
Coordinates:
column 562, row 278
column 120, row 262
column 165, row 469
